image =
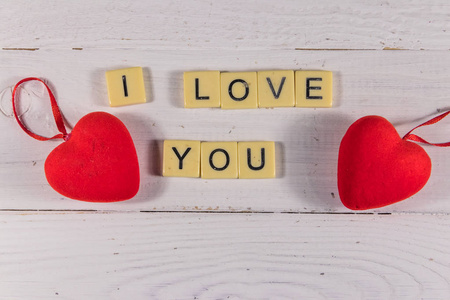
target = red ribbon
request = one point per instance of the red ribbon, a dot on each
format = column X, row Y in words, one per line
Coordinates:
column 415, row 138
column 55, row 109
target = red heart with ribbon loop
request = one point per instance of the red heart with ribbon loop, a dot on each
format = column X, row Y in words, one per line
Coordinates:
column 377, row 168
column 96, row 163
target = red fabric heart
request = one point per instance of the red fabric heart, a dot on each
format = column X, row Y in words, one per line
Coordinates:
column 98, row 163
column 376, row 167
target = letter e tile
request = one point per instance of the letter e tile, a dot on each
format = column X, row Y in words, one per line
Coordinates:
column 313, row 88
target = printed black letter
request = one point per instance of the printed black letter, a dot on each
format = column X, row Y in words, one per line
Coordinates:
column 226, row 156
column 230, row 89
column 249, row 159
column 309, row 87
column 197, row 97
column 277, row 94
column 125, row 89
column 180, row 164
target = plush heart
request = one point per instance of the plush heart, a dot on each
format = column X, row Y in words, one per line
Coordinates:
column 98, row 163
column 376, row 167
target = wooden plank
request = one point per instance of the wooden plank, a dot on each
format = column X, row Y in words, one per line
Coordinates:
column 405, row 87
column 255, row 25
column 215, row 256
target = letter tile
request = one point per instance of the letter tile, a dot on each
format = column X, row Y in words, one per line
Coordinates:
column 238, row 90
column 202, row 89
column 125, row 86
column 276, row 88
column 181, row 158
column 219, row 160
column 256, row 160
column 313, row 88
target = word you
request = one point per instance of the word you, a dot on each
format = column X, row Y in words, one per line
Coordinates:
column 238, row 90
column 210, row 160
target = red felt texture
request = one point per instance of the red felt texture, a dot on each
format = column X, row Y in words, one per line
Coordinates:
column 376, row 167
column 98, row 163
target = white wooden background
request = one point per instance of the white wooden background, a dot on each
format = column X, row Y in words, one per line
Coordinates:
column 182, row 238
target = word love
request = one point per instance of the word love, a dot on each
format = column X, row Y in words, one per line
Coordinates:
column 219, row 159
column 238, row 90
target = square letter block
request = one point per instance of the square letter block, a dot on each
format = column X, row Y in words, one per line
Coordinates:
column 238, row 90
column 202, row 89
column 125, row 86
column 181, row 158
column 219, row 160
column 276, row 88
column 313, row 88
column 256, row 159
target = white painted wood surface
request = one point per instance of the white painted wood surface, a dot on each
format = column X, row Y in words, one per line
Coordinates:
column 231, row 25
column 115, row 251
column 223, row 256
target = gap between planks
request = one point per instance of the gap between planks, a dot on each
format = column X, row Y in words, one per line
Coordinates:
column 215, row 212
column 297, row 49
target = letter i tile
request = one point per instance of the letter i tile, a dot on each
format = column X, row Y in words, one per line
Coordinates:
column 125, row 86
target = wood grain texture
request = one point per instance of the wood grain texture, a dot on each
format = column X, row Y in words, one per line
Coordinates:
column 223, row 256
column 256, row 25
column 405, row 87
column 311, row 247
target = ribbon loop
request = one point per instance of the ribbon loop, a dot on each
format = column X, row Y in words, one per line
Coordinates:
column 415, row 138
column 55, row 110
